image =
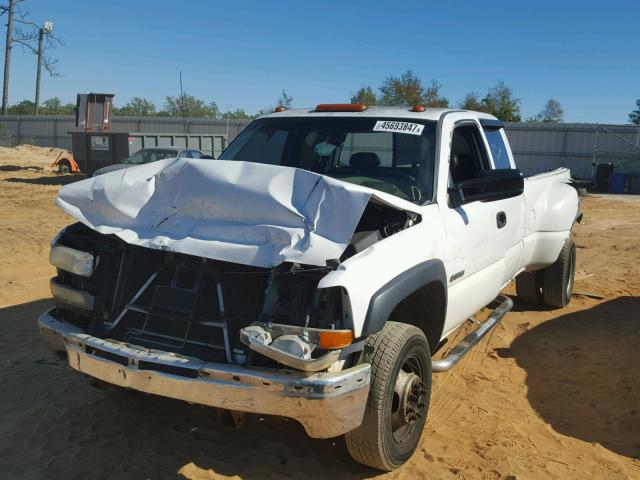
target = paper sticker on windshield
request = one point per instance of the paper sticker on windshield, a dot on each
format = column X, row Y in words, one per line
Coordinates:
column 398, row 127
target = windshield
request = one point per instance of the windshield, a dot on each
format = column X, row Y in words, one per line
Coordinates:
column 391, row 155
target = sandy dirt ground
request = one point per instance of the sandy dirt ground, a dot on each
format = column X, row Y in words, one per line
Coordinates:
column 549, row 394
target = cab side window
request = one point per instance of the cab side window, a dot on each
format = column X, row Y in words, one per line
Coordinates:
column 468, row 155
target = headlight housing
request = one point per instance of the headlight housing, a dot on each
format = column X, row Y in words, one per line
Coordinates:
column 71, row 260
column 66, row 294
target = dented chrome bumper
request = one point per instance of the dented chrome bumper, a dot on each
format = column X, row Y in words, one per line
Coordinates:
column 326, row 404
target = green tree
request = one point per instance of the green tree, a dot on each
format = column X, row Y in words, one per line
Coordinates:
column 471, row 101
column 404, row 90
column 238, row 114
column 137, row 107
column 54, row 106
column 408, row 90
column 634, row 116
column 432, row 97
column 25, row 107
column 364, row 95
column 189, row 106
column 501, row 103
column 551, row 113
column 285, row 100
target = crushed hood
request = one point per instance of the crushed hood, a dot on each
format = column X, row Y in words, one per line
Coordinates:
column 248, row 213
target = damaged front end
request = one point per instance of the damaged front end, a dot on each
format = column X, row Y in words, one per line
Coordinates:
column 201, row 306
column 185, row 327
column 195, row 307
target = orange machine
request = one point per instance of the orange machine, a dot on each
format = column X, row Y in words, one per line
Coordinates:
column 65, row 163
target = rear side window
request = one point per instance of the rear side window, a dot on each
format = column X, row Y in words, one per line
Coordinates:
column 356, row 142
column 498, row 148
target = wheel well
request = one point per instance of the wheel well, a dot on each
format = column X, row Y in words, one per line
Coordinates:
column 426, row 309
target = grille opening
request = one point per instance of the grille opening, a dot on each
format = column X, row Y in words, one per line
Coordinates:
column 171, row 369
column 114, row 357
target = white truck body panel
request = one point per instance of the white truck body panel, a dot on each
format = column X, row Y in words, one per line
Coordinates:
column 264, row 215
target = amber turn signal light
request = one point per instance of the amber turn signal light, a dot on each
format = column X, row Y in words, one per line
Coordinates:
column 332, row 339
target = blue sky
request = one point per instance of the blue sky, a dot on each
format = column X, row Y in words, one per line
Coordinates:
column 242, row 54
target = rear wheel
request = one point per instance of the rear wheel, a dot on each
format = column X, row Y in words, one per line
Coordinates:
column 557, row 284
column 529, row 287
column 398, row 397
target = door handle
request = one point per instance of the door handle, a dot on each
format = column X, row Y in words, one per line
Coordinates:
column 501, row 219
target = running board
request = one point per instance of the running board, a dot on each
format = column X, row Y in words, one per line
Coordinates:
column 468, row 342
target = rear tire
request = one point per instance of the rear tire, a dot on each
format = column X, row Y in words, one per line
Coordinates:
column 558, row 278
column 529, row 287
column 398, row 397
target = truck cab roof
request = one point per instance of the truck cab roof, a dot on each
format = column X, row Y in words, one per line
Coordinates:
column 433, row 114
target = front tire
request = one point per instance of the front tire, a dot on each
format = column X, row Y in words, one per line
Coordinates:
column 558, row 278
column 398, row 397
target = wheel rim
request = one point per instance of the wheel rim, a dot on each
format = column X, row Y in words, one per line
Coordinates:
column 409, row 402
column 570, row 276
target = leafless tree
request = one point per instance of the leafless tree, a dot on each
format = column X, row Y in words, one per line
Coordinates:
column 31, row 37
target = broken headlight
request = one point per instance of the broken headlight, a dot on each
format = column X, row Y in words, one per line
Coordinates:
column 71, row 260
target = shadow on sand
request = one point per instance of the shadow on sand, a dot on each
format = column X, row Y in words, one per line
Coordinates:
column 53, row 179
column 17, row 168
column 583, row 373
column 56, row 425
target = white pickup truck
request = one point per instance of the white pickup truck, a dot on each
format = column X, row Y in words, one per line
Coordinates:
column 313, row 271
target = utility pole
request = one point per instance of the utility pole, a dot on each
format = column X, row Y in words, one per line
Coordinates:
column 39, row 70
column 7, row 59
column 47, row 28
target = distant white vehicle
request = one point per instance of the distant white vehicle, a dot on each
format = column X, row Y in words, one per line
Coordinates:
column 313, row 270
column 148, row 155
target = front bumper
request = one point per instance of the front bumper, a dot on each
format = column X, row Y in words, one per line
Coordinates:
column 326, row 404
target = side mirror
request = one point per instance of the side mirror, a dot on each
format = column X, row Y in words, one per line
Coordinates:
column 490, row 185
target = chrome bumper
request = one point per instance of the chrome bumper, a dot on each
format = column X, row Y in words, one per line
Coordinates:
column 326, row 404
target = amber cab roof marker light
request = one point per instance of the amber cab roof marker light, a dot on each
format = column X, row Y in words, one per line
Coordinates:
column 341, row 107
column 279, row 108
column 418, row 108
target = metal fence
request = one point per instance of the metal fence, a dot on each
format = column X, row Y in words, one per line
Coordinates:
column 543, row 147
column 537, row 147
column 53, row 131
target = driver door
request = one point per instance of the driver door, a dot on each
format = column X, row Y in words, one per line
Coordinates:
column 477, row 232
